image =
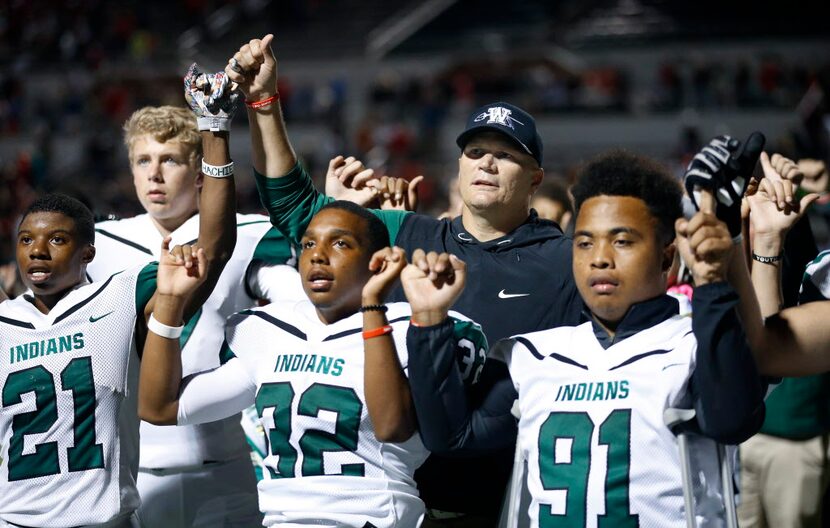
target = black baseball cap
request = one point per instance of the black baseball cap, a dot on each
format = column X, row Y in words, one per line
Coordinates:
column 508, row 119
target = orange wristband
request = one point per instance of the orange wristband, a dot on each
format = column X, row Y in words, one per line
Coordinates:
column 264, row 102
column 377, row 332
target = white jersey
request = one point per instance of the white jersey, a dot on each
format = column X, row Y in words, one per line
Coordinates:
column 126, row 242
column 323, row 465
column 68, row 421
column 591, row 426
column 815, row 285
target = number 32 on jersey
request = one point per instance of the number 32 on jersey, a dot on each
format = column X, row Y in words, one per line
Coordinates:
column 313, row 443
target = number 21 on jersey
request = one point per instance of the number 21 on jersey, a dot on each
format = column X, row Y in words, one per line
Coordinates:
column 85, row 453
column 563, row 470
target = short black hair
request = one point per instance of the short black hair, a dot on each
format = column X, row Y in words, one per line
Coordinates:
column 377, row 233
column 623, row 173
column 70, row 207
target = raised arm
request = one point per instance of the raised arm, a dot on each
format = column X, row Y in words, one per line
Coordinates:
column 773, row 212
column 254, row 69
column 387, row 390
column 447, row 418
column 213, row 103
column 164, row 398
column 794, row 342
column 178, row 277
column 727, row 390
column 284, row 187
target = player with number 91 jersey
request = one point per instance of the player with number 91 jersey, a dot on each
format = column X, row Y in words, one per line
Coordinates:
column 324, row 465
column 68, row 420
column 591, row 427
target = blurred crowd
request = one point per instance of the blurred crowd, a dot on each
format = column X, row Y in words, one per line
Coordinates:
column 398, row 132
column 74, row 71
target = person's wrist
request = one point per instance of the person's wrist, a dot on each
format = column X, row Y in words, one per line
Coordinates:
column 214, row 138
column 369, row 299
column 709, row 278
column 254, row 96
column 769, row 243
column 428, row 317
column 169, row 308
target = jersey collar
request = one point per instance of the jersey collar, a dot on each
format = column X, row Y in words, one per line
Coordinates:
column 639, row 317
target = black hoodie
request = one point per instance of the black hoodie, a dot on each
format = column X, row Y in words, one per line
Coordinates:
column 519, row 283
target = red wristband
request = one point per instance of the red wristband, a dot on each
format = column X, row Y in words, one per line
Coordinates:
column 377, row 332
column 264, row 102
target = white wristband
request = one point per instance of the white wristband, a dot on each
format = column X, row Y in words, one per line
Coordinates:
column 170, row 332
column 213, row 123
column 217, row 171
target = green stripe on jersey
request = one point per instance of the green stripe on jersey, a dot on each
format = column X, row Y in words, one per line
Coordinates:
column 225, row 353
column 187, row 331
column 145, row 286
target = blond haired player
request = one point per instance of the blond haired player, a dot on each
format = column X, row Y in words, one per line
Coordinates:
column 196, row 475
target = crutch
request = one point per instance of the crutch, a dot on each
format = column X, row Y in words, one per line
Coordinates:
column 673, row 417
column 726, row 476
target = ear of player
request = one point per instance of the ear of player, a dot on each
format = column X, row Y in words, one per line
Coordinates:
column 724, row 167
column 212, row 97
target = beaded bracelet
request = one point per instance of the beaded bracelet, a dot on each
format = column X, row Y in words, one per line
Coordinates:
column 374, row 308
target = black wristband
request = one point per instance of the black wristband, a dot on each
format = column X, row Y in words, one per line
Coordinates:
column 374, row 308
column 767, row 260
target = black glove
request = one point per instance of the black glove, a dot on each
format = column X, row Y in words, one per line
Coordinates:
column 724, row 168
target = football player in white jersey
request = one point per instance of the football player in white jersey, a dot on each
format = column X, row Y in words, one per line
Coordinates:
column 302, row 364
column 196, row 475
column 591, row 397
column 68, row 419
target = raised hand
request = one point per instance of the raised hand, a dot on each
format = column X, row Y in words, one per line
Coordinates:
column 348, row 179
column 724, row 167
column 254, row 69
column 705, row 242
column 386, row 264
column 397, row 193
column 773, row 208
column 180, row 270
column 211, row 98
column 432, row 283
column 816, row 176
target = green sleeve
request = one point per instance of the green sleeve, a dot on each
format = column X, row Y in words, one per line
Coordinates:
column 292, row 200
column 273, row 248
column 393, row 220
column 145, row 287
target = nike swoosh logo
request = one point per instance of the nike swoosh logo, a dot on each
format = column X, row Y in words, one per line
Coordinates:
column 93, row 319
column 503, row 295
